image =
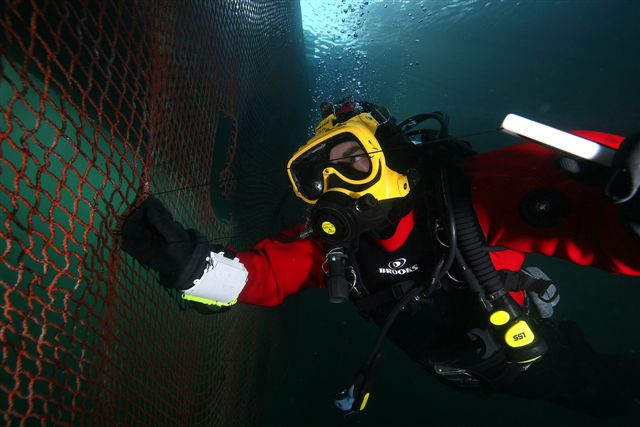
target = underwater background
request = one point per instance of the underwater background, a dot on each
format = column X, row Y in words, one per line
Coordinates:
column 201, row 103
column 572, row 64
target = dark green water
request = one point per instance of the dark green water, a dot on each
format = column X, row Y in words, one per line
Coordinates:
column 571, row 64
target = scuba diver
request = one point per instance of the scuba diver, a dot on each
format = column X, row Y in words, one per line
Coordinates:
column 427, row 238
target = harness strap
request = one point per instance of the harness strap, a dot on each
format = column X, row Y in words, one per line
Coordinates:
column 520, row 281
column 394, row 292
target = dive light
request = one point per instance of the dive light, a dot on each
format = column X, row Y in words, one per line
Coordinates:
column 564, row 141
column 337, row 283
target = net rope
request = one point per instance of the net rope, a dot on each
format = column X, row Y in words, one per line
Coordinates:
column 97, row 99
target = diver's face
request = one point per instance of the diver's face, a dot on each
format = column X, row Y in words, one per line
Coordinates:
column 351, row 154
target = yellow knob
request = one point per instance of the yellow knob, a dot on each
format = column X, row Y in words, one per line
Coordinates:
column 499, row 318
column 328, row 227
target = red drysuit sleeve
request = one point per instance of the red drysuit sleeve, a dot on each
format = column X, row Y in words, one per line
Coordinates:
column 591, row 234
column 278, row 269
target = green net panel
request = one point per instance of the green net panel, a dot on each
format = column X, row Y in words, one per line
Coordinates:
column 199, row 99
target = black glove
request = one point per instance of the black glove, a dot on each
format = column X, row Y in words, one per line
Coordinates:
column 624, row 182
column 152, row 237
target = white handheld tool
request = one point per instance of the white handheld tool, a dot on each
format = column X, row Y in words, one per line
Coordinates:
column 564, row 141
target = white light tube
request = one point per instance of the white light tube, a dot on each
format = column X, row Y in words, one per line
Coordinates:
column 564, row 141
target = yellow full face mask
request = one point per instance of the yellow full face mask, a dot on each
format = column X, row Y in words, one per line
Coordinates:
column 345, row 157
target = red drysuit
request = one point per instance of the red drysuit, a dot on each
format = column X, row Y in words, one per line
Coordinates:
column 591, row 234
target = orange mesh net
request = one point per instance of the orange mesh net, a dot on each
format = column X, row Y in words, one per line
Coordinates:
column 96, row 99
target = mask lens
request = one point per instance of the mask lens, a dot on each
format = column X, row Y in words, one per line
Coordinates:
column 344, row 153
column 350, row 158
column 307, row 176
column 307, row 169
